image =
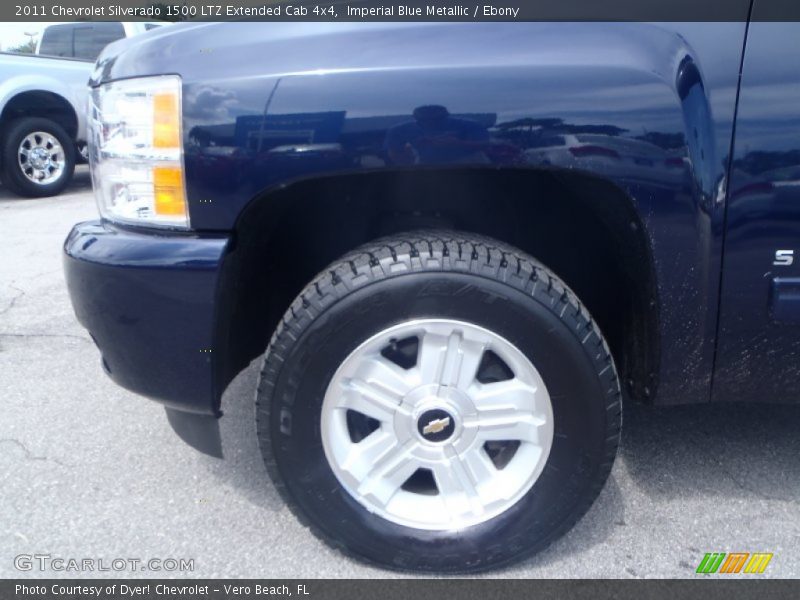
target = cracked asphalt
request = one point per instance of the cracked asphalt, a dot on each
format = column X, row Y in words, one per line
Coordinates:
column 88, row 470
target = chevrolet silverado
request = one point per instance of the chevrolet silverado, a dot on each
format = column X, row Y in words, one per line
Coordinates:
column 455, row 248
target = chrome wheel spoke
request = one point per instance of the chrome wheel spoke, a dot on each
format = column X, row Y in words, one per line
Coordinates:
column 388, row 473
column 378, row 370
column 508, row 425
column 457, row 489
column 512, row 393
column 369, row 399
column 450, row 359
column 479, row 465
column 506, row 412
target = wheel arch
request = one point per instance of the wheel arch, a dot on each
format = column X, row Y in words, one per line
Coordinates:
column 585, row 228
column 44, row 104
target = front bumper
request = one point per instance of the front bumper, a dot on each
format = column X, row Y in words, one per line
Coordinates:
column 147, row 300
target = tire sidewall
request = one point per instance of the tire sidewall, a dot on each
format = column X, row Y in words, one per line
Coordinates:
column 567, row 367
column 13, row 177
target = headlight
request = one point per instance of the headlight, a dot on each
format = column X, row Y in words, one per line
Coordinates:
column 136, row 153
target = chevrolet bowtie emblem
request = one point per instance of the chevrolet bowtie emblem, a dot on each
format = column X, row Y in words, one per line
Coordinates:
column 436, row 426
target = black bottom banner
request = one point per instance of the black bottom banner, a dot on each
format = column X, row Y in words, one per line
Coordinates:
column 397, row 589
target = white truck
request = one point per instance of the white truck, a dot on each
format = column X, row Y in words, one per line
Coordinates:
column 85, row 40
column 43, row 103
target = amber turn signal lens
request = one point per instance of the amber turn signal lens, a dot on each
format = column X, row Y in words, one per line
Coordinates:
column 168, row 191
column 166, row 121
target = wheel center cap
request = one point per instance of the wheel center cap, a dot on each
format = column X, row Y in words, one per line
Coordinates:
column 39, row 158
column 436, row 425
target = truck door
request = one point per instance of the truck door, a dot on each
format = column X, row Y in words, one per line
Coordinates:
column 758, row 350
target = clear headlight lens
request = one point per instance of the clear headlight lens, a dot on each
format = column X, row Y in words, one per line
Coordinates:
column 136, row 153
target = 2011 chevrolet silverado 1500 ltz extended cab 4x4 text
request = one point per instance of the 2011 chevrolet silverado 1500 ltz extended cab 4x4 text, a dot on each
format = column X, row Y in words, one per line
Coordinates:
column 457, row 248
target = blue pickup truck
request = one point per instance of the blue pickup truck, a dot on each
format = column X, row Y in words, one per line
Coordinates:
column 454, row 249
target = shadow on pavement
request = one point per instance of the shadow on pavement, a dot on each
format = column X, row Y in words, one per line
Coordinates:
column 726, row 450
column 81, row 182
column 243, row 468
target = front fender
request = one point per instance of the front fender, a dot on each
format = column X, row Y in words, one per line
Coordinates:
column 648, row 107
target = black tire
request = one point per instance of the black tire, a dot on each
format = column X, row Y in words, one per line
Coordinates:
column 12, row 174
column 456, row 276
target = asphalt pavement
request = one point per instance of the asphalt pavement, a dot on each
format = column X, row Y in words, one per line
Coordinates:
column 91, row 471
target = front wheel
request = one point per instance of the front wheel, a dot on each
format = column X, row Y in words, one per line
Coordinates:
column 38, row 157
column 440, row 402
